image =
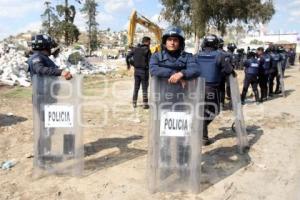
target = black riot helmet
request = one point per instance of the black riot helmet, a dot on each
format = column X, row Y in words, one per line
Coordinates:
column 42, row 42
column 251, row 53
column 281, row 49
column 221, row 43
column 231, row 47
column 174, row 31
column 272, row 48
column 210, row 41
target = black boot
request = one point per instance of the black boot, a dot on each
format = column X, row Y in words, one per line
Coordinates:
column 256, row 95
column 145, row 104
column 243, row 96
column 205, row 140
column 277, row 91
column 134, row 104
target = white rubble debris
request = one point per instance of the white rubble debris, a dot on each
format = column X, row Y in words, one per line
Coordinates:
column 13, row 66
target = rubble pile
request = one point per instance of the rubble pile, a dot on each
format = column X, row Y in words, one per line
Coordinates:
column 75, row 61
column 14, row 69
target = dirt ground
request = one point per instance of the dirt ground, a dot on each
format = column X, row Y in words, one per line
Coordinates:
column 116, row 152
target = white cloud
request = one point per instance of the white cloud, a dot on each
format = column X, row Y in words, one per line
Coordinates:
column 17, row 9
column 79, row 21
column 295, row 13
column 117, row 6
column 33, row 26
column 157, row 19
column 103, row 19
column 294, row 3
column 291, row 19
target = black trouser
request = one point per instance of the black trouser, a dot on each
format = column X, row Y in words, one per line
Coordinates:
column 278, row 84
column 250, row 79
column 263, row 84
column 212, row 106
column 224, row 89
column 141, row 77
column 272, row 76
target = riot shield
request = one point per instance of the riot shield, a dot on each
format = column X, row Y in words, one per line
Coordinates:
column 239, row 121
column 58, row 146
column 281, row 78
column 175, row 135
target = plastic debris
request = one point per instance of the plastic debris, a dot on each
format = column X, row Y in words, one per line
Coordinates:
column 8, row 164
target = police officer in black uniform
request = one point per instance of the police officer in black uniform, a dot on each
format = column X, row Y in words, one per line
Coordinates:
column 42, row 66
column 212, row 65
column 177, row 66
column 273, row 72
column 139, row 57
column 223, row 81
column 39, row 62
column 264, row 60
column 173, row 62
column 230, row 49
column 292, row 56
column 283, row 62
column 251, row 75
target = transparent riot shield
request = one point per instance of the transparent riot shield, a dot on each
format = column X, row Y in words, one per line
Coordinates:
column 239, row 121
column 58, row 146
column 175, row 136
column 281, row 76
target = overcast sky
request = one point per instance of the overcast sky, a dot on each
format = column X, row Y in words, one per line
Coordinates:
column 21, row 15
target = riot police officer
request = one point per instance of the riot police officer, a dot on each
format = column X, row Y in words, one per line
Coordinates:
column 292, row 56
column 230, row 49
column 283, row 62
column 175, row 65
column 273, row 72
column 224, row 86
column 251, row 75
column 264, row 61
column 212, row 65
column 42, row 66
column 39, row 62
column 173, row 62
column 139, row 57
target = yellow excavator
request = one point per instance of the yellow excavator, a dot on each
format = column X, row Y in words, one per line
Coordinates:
column 136, row 18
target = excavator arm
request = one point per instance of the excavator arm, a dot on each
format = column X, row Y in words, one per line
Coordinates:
column 135, row 19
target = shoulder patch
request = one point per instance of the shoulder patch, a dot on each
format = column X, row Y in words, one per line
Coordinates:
column 36, row 60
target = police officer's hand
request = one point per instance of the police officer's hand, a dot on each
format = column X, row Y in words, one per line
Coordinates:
column 183, row 83
column 175, row 77
column 66, row 74
column 234, row 74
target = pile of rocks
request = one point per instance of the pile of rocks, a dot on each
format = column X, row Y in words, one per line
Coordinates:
column 14, row 69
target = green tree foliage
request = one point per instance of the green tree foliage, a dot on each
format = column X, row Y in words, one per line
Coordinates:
column 90, row 11
column 195, row 16
column 65, row 27
column 49, row 19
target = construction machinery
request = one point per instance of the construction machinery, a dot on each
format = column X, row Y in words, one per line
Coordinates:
column 136, row 18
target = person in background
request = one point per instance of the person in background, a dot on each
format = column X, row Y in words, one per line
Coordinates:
column 139, row 58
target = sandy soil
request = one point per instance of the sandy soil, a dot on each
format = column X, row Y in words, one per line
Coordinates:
column 116, row 153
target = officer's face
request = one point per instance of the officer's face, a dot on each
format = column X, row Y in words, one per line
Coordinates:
column 259, row 52
column 172, row 43
column 147, row 43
